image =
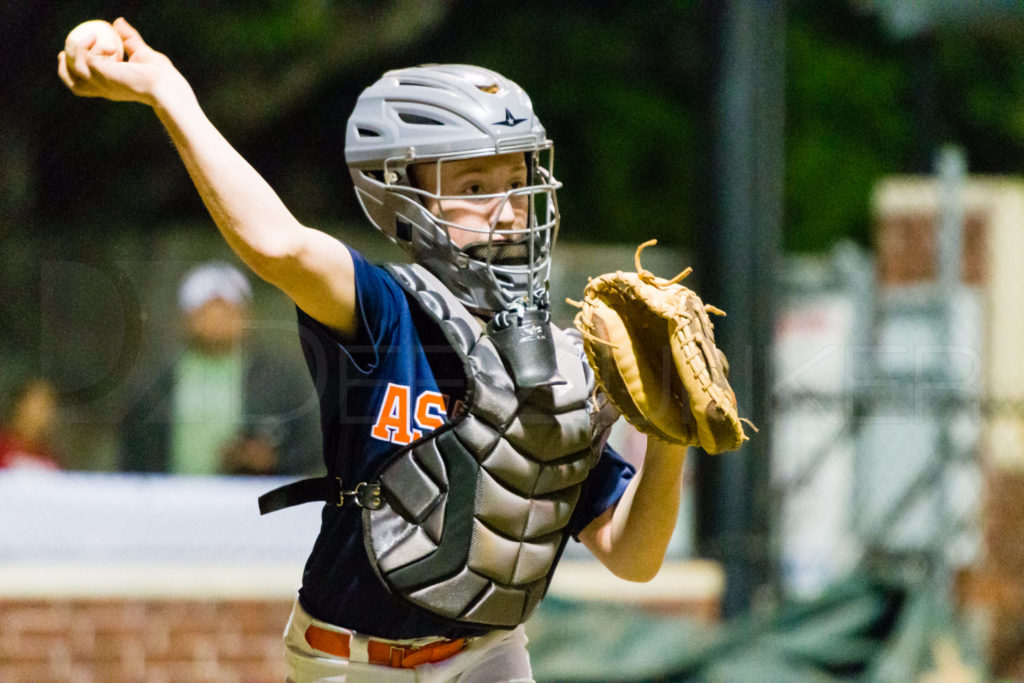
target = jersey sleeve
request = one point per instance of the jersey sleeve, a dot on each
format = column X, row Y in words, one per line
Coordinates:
column 605, row 486
column 379, row 303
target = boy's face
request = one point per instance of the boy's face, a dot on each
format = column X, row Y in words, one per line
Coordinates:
column 467, row 188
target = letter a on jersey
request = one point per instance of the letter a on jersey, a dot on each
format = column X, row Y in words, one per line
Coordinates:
column 394, row 418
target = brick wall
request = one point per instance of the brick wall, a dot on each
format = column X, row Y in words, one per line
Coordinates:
column 907, row 248
column 991, row 592
column 187, row 637
column 151, row 640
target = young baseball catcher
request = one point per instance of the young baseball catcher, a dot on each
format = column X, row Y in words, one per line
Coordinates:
column 464, row 434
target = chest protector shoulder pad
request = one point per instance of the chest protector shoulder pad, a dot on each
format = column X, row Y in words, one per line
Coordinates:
column 476, row 512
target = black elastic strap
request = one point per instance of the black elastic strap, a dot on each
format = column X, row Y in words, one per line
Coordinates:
column 298, row 492
column 321, row 489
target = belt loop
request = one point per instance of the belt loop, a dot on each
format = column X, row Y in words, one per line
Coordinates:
column 358, row 646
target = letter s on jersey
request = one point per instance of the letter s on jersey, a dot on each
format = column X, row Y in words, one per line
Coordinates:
column 395, row 417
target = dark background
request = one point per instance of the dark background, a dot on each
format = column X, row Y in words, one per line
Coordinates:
column 98, row 218
column 619, row 86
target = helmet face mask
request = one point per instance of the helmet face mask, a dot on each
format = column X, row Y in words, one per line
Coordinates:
column 488, row 238
column 502, row 238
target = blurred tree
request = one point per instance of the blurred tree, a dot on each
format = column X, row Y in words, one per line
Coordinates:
column 980, row 78
column 619, row 86
column 869, row 95
column 78, row 176
column 848, row 122
column 251, row 64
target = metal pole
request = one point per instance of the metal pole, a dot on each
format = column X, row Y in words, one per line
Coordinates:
column 951, row 168
column 736, row 256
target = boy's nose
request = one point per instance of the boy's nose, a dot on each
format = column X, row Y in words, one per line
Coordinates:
column 506, row 219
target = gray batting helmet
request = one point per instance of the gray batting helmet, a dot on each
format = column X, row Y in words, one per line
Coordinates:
column 439, row 113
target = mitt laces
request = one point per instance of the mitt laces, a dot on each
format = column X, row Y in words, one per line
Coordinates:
column 649, row 278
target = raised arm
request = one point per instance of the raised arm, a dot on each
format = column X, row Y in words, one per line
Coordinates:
column 631, row 537
column 314, row 269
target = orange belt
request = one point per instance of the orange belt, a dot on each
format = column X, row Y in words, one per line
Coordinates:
column 384, row 652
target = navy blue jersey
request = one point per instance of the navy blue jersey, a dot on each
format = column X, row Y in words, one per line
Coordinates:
column 379, row 391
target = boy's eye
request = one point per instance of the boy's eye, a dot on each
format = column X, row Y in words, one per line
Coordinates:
column 516, row 184
column 474, row 189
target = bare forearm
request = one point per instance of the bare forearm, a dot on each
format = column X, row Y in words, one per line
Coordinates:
column 631, row 538
column 311, row 267
column 249, row 214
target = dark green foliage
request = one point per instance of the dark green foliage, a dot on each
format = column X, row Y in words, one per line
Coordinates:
column 621, row 87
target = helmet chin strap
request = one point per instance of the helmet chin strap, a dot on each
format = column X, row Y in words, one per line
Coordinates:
column 517, row 253
column 502, row 253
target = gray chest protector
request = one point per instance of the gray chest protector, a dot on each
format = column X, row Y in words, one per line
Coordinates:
column 476, row 512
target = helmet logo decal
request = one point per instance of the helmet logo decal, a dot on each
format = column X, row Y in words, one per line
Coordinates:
column 509, row 121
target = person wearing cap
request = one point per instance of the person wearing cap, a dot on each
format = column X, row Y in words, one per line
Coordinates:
column 221, row 407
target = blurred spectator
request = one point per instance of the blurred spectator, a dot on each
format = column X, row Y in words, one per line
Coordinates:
column 221, row 407
column 25, row 438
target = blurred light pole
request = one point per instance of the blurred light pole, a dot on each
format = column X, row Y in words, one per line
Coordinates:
column 737, row 254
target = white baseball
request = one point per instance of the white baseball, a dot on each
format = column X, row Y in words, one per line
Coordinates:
column 108, row 41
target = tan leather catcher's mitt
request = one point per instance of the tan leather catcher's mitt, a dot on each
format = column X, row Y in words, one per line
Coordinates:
column 652, row 348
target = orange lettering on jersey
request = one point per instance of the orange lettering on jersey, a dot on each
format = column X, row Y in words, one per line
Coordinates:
column 429, row 412
column 393, row 417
